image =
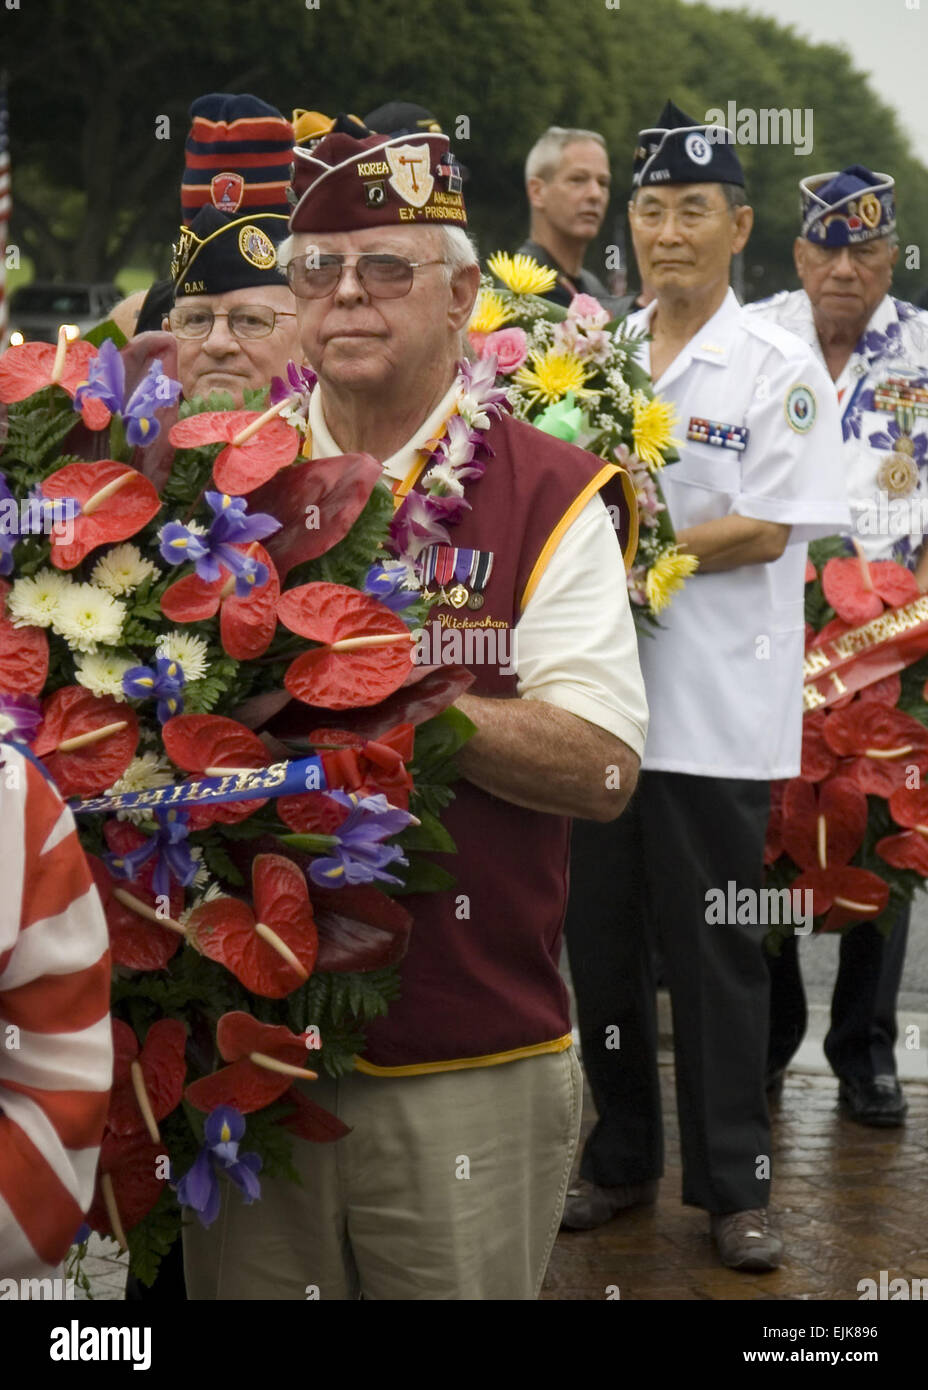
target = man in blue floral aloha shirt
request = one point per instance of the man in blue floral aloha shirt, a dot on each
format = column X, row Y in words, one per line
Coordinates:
column 876, row 350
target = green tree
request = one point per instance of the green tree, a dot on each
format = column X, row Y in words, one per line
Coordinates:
column 94, row 187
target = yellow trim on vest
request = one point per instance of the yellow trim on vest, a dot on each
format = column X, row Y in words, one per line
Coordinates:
column 409, row 482
column 492, row 1059
column 609, row 470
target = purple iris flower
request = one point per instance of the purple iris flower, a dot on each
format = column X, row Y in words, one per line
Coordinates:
column 169, row 847
column 888, row 438
column 358, row 854
column 387, row 584
column 199, row 1187
column 20, row 717
column 107, row 382
column 82, row 1233
column 231, row 525
column 165, row 681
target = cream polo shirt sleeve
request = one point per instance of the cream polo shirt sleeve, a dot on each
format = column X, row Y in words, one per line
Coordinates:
column 576, row 645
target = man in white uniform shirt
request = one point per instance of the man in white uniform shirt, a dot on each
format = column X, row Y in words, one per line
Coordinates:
column 759, row 474
column 875, row 348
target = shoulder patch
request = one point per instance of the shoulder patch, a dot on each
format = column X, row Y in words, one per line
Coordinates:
column 799, row 408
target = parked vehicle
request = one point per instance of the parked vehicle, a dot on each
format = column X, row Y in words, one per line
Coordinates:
column 38, row 309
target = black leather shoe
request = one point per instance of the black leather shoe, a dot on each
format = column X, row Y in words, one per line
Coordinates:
column 747, row 1240
column 589, row 1206
column 877, row 1101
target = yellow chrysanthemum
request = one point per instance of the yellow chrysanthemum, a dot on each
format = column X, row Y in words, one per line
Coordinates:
column 667, row 576
column 489, row 313
column 522, row 274
column 552, row 374
column 653, row 422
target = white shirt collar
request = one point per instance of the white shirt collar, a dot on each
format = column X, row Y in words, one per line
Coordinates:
column 398, row 464
column 710, row 344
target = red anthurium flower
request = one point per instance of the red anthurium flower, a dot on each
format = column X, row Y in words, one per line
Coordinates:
column 818, row 761
column 318, row 501
column 115, row 503
column 240, row 468
column 246, row 625
column 128, row 1174
column 137, row 937
column 811, row 571
column 28, row 368
column 271, row 949
column 886, row 691
column 908, row 807
column 846, row 895
column 86, row 741
column 147, row 1085
column 23, row 654
column 200, row 742
column 857, row 590
column 312, row 813
column 311, row 1121
column 882, row 742
column 824, row 825
column 357, row 675
column 359, row 928
column 247, row 1084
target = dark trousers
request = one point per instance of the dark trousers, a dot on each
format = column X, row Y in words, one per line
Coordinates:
column 859, row 1044
column 644, row 879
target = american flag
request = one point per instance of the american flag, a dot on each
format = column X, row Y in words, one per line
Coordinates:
column 6, row 204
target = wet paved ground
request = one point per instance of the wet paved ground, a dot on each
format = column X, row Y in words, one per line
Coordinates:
column 850, row 1201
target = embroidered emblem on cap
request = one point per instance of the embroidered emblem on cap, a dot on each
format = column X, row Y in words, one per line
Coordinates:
column 411, row 177
column 698, row 149
column 800, row 408
column 182, row 251
column 870, row 209
column 226, row 192
column 256, row 247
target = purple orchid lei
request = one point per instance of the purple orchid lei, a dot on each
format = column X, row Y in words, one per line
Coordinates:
column 459, row 457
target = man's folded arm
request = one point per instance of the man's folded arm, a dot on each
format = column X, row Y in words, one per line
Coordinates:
column 571, row 744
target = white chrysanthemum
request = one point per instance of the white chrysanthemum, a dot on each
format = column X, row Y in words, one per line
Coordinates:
column 89, row 617
column 34, row 602
column 122, row 569
column 214, row 890
column 101, row 673
column 145, row 771
column 188, row 651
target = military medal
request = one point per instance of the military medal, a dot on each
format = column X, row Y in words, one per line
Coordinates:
column 456, row 575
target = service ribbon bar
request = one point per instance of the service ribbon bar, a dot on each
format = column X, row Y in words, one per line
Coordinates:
column 847, row 663
column 279, row 779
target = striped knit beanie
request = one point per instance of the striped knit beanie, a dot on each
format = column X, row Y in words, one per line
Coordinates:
column 237, row 157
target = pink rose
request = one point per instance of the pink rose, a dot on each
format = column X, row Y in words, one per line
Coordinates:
column 510, row 346
column 588, row 311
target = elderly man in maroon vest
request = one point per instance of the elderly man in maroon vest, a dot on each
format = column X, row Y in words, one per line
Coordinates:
column 465, row 1107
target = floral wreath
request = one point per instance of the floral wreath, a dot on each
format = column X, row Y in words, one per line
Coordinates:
column 205, row 638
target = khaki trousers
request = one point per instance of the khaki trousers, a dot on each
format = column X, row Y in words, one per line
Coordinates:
column 450, row 1186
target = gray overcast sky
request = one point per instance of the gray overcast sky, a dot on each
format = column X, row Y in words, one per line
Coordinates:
column 886, row 40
